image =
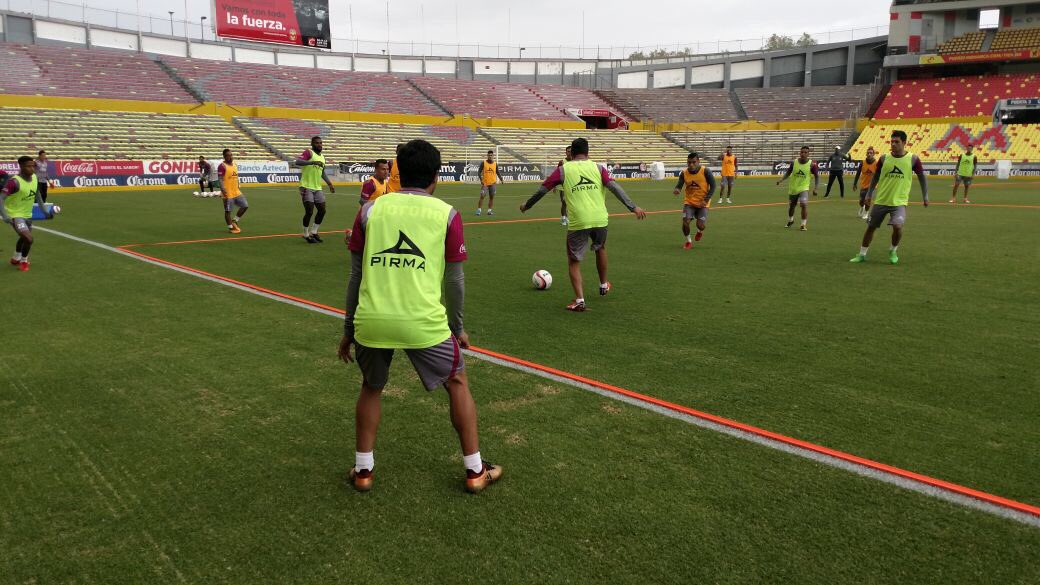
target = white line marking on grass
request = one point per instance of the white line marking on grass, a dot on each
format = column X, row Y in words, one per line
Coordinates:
column 863, row 470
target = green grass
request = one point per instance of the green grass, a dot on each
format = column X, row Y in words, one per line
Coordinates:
column 163, row 428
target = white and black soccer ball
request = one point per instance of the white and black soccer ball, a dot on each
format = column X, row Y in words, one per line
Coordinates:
column 541, row 280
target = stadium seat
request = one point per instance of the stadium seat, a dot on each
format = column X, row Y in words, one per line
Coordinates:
column 563, row 98
column 365, row 142
column 605, row 145
column 85, row 134
column 967, row 43
column 1018, row 143
column 89, row 73
column 955, row 96
column 674, row 105
column 486, row 99
column 248, row 84
column 1016, row 38
column 801, row 103
column 761, row 147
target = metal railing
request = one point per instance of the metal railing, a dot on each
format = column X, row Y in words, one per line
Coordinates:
column 172, row 22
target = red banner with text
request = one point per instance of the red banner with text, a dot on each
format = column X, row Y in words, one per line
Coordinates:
column 287, row 22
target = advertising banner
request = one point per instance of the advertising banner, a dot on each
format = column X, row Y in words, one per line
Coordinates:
column 1013, row 55
column 288, row 22
column 850, row 167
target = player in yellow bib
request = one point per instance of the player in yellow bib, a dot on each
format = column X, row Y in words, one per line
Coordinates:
column 699, row 185
column 729, row 174
column 489, row 178
column 406, row 253
column 17, row 196
column 801, row 172
column 559, row 191
column 967, row 164
column 890, row 192
column 313, row 174
column 583, row 184
column 394, row 182
column 231, row 192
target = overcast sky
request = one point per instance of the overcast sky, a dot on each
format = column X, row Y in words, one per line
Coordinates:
column 551, row 22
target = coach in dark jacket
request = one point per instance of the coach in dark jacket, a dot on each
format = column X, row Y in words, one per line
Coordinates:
column 836, row 165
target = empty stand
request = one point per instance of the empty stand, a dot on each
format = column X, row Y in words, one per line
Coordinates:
column 1018, row 143
column 760, row 148
column 955, row 96
column 563, row 98
column 247, row 84
column 967, row 43
column 604, row 145
column 486, row 99
column 91, row 73
column 802, row 103
column 70, row 134
column 674, row 105
column 361, row 142
column 1016, row 38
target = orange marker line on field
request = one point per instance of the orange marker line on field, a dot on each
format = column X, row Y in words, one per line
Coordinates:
column 678, row 408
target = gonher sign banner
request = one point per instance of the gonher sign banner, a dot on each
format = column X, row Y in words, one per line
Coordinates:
column 287, row 22
column 988, row 56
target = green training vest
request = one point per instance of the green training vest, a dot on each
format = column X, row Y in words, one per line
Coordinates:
column 399, row 306
column 966, row 166
column 583, row 190
column 310, row 175
column 801, row 177
column 896, row 178
column 20, row 204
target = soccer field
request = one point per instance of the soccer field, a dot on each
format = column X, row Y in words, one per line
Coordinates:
column 161, row 427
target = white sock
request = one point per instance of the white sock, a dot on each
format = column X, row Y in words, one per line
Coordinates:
column 229, row 226
column 17, row 256
column 689, row 238
column 804, row 221
column 581, row 300
column 315, row 228
column 863, row 250
column 473, row 462
column 364, row 461
column 306, row 231
column 893, row 248
column 791, row 219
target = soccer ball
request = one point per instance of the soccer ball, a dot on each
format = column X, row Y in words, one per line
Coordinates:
column 195, row 193
column 541, row 279
column 55, row 210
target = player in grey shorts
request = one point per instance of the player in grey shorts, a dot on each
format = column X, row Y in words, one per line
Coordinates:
column 312, row 196
column 897, row 215
column 434, row 365
column 578, row 242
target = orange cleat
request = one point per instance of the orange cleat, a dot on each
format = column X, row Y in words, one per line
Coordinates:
column 23, row 266
column 476, row 482
column 362, row 480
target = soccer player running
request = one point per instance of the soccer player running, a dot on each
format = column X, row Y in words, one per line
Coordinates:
column 798, row 188
column 17, row 197
column 43, row 173
column 407, row 249
column 699, row 185
column 864, row 176
column 583, row 183
column 313, row 163
column 966, row 165
column 231, row 192
column 205, row 172
column 890, row 191
column 729, row 174
column 489, row 178
column 563, row 201
column 836, row 166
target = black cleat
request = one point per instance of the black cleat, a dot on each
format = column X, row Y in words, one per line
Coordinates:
column 317, row 239
column 309, row 240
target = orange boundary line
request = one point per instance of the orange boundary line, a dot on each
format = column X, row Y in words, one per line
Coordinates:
column 760, row 432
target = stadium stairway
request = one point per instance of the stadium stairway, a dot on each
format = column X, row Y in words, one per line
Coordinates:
column 737, row 106
column 426, row 95
column 195, row 93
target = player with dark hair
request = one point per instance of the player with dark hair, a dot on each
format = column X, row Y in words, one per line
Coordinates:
column 836, row 167
column 583, row 184
column 205, row 172
column 376, row 186
column 406, row 253
column 489, row 178
column 798, row 189
column 729, row 174
column 864, row 177
column 699, row 186
column 313, row 163
column 967, row 164
column 17, row 197
column 231, row 192
column 890, row 192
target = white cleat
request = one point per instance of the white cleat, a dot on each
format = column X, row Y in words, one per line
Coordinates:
column 728, row 200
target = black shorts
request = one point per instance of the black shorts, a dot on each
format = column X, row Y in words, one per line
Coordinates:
column 434, row 365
